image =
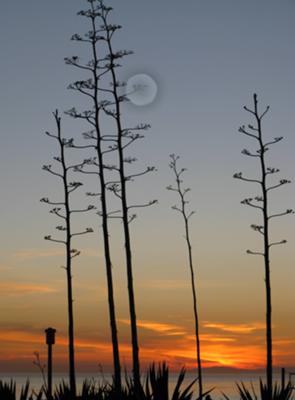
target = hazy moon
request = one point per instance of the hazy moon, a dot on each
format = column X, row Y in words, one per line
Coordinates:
column 141, row 89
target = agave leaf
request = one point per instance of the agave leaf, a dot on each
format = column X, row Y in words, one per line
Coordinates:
column 206, row 393
column 159, row 381
column 244, row 392
column 225, row 396
column 187, row 393
column 8, row 390
column 39, row 395
column 278, row 393
column 179, row 382
column 25, row 391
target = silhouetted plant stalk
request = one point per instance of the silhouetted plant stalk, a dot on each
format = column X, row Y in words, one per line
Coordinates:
column 261, row 202
column 41, row 367
column 97, row 67
column 62, row 209
column 186, row 215
column 103, row 91
column 123, row 139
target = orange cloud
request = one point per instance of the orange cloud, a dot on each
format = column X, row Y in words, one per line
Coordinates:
column 283, row 342
column 222, row 355
column 21, row 344
column 29, row 254
column 214, row 338
column 215, row 351
column 165, row 284
column 167, row 329
column 25, row 336
column 88, row 252
column 14, row 288
column 235, row 328
column 18, row 346
column 4, row 268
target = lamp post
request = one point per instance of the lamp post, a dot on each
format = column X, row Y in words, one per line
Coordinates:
column 50, row 340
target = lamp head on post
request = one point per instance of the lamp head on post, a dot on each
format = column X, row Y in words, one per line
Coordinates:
column 50, row 336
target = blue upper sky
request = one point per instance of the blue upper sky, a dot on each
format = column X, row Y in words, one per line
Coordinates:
column 207, row 58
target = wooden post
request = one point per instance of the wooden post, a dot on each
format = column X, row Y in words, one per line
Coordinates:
column 50, row 341
column 283, row 377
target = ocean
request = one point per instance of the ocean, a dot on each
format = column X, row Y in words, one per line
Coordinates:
column 224, row 382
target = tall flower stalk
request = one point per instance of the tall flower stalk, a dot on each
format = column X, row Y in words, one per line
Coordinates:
column 62, row 209
column 186, row 214
column 261, row 203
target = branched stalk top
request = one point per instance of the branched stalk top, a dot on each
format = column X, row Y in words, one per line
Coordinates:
column 182, row 192
column 61, row 208
column 260, row 202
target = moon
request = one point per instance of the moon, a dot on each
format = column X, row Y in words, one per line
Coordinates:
column 141, row 89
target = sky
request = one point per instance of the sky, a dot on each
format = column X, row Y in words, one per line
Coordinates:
column 207, row 59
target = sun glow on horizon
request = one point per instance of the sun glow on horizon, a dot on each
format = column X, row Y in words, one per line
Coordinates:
column 236, row 347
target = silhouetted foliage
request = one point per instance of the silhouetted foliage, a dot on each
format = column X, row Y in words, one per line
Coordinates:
column 279, row 393
column 156, row 388
column 8, row 391
column 157, row 384
column 182, row 209
column 261, row 203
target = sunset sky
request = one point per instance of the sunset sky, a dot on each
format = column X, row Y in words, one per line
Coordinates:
column 207, row 59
